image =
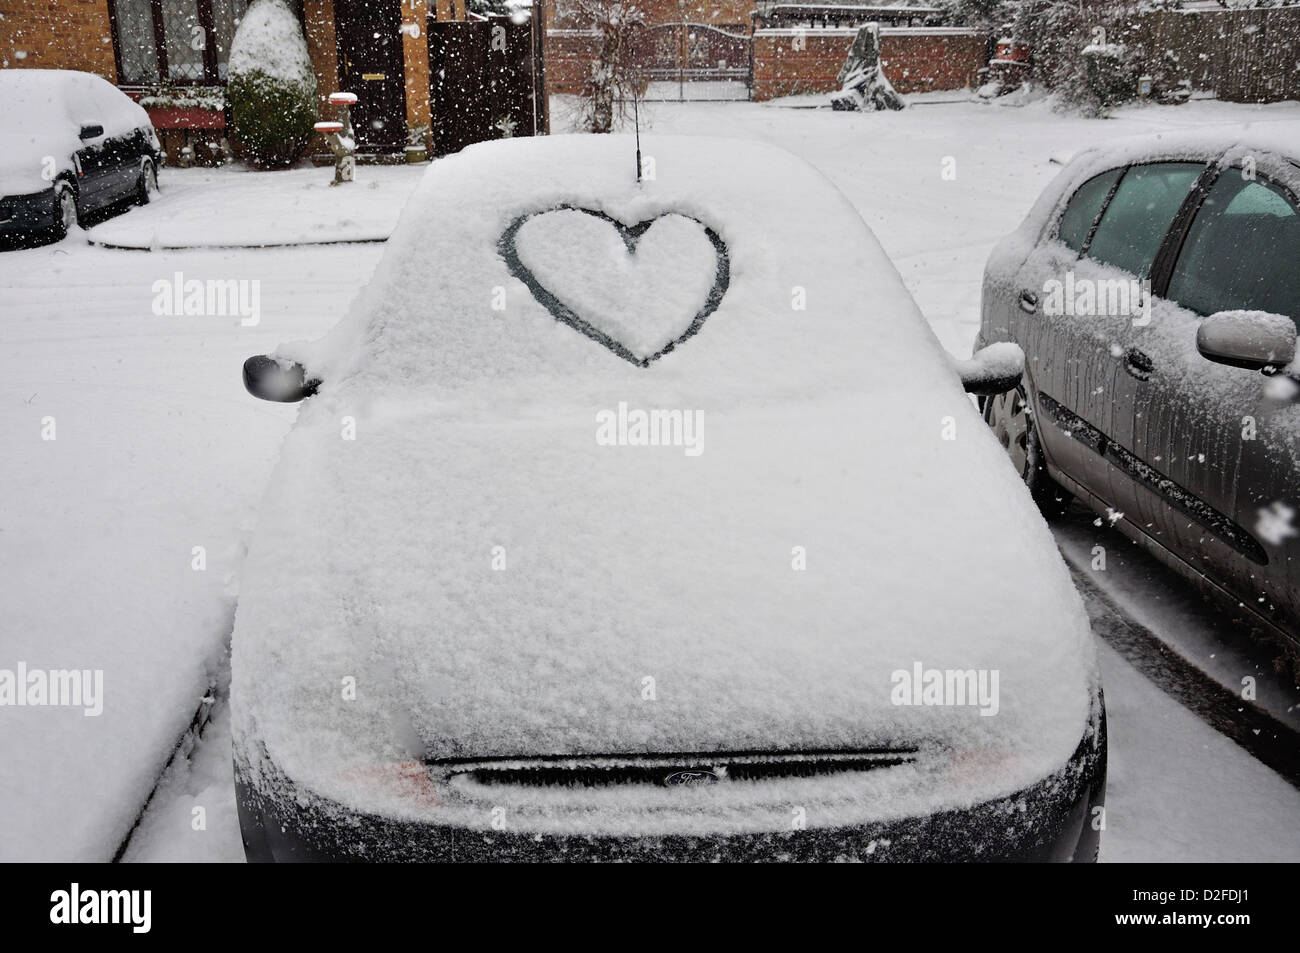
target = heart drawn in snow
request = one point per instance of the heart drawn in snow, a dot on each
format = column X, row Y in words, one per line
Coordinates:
column 640, row 290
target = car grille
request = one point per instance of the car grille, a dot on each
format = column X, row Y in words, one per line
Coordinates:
column 667, row 770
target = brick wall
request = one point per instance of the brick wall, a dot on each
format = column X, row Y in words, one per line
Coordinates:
column 569, row 54
column 570, row 48
column 57, row 34
column 792, row 62
column 722, row 13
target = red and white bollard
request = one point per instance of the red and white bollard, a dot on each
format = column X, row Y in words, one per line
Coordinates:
column 341, row 140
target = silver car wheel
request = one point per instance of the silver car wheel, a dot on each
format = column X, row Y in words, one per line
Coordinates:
column 1008, row 415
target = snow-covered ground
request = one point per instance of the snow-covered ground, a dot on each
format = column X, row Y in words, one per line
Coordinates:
column 234, row 206
column 159, row 450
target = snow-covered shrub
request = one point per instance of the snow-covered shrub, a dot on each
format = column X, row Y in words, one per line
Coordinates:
column 272, row 86
column 612, row 79
column 984, row 14
column 1066, row 35
column 1110, row 76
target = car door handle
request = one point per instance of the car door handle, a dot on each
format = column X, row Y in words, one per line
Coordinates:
column 1138, row 363
column 1028, row 301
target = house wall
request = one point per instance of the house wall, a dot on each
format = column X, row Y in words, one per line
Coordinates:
column 790, row 62
column 68, row 34
column 415, row 52
column 318, row 27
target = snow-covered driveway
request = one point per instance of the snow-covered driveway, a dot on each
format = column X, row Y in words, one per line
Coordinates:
column 157, row 451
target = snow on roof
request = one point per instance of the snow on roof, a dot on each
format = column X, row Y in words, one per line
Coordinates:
column 1269, row 143
column 1229, row 139
column 500, row 581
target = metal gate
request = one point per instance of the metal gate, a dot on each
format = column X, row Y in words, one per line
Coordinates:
column 693, row 61
column 485, row 81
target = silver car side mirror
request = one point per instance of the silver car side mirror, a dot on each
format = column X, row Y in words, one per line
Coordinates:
column 992, row 370
column 1251, row 339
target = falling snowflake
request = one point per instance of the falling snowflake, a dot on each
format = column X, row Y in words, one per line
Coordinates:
column 1275, row 523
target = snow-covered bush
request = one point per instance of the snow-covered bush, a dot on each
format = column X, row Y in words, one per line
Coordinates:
column 1066, row 36
column 612, row 79
column 1111, row 78
column 272, row 86
column 986, row 15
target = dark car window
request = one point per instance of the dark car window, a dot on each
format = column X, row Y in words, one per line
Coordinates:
column 1242, row 251
column 1084, row 206
column 1135, row 221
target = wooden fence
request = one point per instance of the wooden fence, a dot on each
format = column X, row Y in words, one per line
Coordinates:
column 1243, row 56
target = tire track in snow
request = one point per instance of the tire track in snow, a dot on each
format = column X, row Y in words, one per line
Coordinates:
column 186, row 744
column 1270, row 741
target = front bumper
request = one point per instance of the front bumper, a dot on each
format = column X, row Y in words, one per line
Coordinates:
column 1053, row 820
column 25, row 214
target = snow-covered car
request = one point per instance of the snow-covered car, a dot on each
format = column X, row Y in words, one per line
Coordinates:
column 650, row 521
column 71, row 143
column 1149, row 287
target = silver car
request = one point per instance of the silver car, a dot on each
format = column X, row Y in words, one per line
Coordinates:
column 1154, row 288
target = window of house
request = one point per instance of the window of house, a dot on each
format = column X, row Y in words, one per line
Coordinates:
column 185, row 42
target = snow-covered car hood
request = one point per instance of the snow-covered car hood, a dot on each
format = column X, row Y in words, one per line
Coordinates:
column 452, row 562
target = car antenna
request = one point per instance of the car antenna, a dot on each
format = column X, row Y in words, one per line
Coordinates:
column 636, row 122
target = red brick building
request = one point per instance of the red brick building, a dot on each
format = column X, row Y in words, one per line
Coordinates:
column 375, row 46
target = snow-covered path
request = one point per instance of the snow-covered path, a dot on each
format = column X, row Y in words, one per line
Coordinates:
column 158, row 451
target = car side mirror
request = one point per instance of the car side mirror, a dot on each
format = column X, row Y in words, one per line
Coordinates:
column 281, row 381
column 992, row 370
column 91, row 132
column 1255, row 340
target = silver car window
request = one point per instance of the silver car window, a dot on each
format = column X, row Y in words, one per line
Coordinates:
column 1085, row 205
column 1242, row 251
column 1134, row 223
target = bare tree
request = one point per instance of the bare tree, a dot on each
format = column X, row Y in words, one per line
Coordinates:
column 612, row 80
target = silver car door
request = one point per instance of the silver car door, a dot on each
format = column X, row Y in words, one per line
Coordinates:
column 1226, row 440
column 1060, row 346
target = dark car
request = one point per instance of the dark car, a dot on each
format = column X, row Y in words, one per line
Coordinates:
column 1154, row 289
column 609, row 532
column 72, row 144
